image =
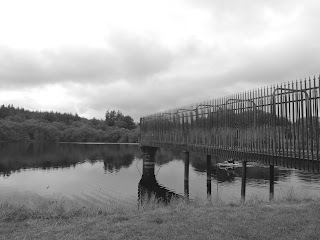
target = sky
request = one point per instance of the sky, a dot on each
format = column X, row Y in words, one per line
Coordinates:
column 145, row 56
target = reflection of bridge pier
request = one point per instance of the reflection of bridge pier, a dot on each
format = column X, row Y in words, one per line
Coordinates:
column 148, row 186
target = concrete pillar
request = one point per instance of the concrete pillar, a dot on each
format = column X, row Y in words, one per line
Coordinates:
column 149, row 154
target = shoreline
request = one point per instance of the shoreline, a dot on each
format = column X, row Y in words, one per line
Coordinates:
column 88, row 143
column 98, row 143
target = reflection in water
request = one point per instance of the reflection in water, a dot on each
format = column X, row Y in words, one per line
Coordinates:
column 149, row 187
column 255, row 171
column 117, row 160
column 16, row 156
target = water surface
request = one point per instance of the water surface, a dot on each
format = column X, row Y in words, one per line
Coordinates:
column 98, row 173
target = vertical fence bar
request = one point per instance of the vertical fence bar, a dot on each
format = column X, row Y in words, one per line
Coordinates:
column 310, row 129
column 290, row 119
column 287, row 124
column 302, row 128
column 269, row 122
column 278, row 120
column 294, row 126
column 298, row 128
column 317, row 95
column 265, row 123
column 239, row 123
column 307, row 123
column 274, row 131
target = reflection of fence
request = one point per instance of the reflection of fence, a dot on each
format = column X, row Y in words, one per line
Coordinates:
column 281, row 121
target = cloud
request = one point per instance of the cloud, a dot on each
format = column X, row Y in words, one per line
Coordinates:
column 139, row 57
column 129, row 58
column 20, row 67
column 202, row 50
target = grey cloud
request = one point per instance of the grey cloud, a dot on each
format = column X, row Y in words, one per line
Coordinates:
column 288, row 61
column 245, row 18
column 20, row 67
column 80, row 65
column 127, row 58
column 140, row 56
column 244, row 6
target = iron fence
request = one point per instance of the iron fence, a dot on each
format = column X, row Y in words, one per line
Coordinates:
column 279, row 121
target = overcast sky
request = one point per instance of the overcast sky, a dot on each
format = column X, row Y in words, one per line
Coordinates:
column 88, row 56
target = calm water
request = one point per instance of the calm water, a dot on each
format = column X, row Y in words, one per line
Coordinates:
column 93, row 173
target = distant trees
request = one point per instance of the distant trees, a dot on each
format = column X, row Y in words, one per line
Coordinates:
column 18, row 124
column 114, row 118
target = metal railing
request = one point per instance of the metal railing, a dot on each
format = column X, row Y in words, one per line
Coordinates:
column 280, row 121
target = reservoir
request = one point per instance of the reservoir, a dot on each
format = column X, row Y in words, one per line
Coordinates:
column 101, row 173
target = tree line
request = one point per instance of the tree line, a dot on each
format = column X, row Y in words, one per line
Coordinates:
column 19, row 124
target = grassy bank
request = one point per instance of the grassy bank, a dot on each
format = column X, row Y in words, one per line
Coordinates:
column 251, row 220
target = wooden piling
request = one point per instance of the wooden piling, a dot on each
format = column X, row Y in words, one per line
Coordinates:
column 209, row 178
column 243, row 181
column 271, row 195
column 186, row 176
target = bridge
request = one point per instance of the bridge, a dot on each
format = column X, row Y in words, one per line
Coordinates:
column 276, row 125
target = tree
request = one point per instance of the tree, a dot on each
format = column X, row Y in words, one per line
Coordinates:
column 111, row 117
column 18, row 124
column 114, row 118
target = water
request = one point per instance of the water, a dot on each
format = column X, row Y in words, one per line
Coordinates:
column 98, row 173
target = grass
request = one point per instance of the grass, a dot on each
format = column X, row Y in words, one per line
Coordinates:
column 254, row 219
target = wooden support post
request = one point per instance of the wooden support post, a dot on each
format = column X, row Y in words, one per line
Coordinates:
column 243, row 182
column 209, row 178
column 271, row 195
column 186, row 176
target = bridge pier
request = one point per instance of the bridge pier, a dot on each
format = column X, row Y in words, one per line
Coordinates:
column 149, row 152
column 148, row 186
column 148, row 162
column 271, row 174
column 243, row 181
column 209, row 169
column 186, row 176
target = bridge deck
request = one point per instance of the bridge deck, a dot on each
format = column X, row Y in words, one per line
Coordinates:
column 276, row 125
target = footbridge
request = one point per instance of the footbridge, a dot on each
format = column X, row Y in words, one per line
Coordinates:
column 276, row 125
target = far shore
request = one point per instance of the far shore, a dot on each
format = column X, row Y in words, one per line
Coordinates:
column 99, row 143
column 89, row 143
